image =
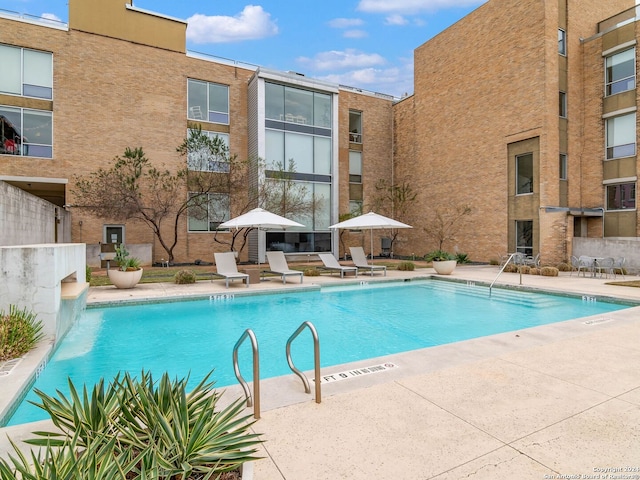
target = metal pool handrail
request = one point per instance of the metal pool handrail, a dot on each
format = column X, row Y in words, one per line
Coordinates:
column 255, row 400
column 316, row 359
column 502, row 270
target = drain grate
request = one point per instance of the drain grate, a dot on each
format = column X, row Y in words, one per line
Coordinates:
column 8, row 366
column 597, row 321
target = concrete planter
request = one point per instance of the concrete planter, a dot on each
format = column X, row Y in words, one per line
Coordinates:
column 444, row 267
column 124, row 279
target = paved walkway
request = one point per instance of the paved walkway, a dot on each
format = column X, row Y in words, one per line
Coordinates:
column 557, row 401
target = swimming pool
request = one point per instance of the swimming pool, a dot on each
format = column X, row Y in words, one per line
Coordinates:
column 353, row 322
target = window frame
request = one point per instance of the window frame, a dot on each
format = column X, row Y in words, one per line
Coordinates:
column 21, row 146
column 609, row 83
column 223, row 166
column 619, row 186
column 562, row 42
column 563, row 166
column 562, row 104
column 45, row 86
column 610, row 149
column 355, row 127
column 527, row 230
column 191, row 115
column 208, row 219
column 517, row 174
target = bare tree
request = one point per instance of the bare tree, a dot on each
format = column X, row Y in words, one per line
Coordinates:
column 445, row 223
column 394, row 200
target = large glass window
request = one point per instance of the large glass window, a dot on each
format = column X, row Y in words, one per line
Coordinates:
column 524, row 236
column 563, row 166
column 621, row 136
column 26, row 132
column 355, row 126
column 26, row 72
column 295, row 105
column 621, row 196
column 355, row 167
column 562, row 42
column 208, row 102
column 208, row 211
column 206, row 161
column 524, row 174
column 311, row 154
column 621, row 72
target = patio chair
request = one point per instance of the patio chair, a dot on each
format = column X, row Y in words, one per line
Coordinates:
column 618, row 267
column 331, row 264
column 360, row 261
column 532, row 261
column 586, row 264
column 575, row 264
column 226, row 267
column 278, row 265
column 604, row 266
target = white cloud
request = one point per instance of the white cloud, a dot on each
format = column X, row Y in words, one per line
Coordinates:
column 345, row 22
column 336, row 60
column 395, row 20
column 392, row 81
column 355, row 34
column 412, row 6
column 51, row 16
column 251, row 24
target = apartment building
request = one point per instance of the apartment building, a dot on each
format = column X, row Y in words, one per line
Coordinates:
column 73, row 97
column 523, row 110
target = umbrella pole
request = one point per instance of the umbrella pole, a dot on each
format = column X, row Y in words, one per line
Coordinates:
column 371, row 230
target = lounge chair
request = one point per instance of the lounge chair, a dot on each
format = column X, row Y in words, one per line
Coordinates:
column 226, row 267
column 278, row 265
column 360, row 261
column 331, row 264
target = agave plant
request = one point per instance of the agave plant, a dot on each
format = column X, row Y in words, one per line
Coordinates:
column 155, row 429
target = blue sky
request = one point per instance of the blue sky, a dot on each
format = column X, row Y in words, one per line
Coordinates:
column 366, row 44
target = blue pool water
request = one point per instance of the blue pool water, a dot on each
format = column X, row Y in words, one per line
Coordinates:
column 353, row 323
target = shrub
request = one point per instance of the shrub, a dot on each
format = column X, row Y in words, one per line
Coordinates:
column 406, row 266
column 510, row 268
column 20, row 331
column 534, row 271
column 87, row 274
column 549, row 271
column 525, row 269
column 185, row 276
column 146, row 429
column 439, row 256
column 311, row 272
column 494, row 261
column 564, row 267
column 462, row 258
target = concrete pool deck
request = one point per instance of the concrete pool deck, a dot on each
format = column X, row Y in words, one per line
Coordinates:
column 546, row 402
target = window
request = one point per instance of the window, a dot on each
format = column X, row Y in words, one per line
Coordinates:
column 524, row 174
column 621, row 196
column 297, row 106
column 208, row 102
column 355, row 207
column 621, row 136
column 355, row 167
column 563, row 104
column 524, row 236
column 562, row 42
column 207, row 211
column 355, row 126
column 26, row 72
column 26, row 132
column 620, row 72
column 205, row 160
column 563, row 166
column 311, row 154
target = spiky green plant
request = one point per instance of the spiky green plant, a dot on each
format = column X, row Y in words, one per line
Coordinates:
column 20, row 331
column 171, row 432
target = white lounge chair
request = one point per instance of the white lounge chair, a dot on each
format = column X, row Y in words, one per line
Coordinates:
column 226, row 267
column 278, row 265
column 331, row 264
column 360, row 260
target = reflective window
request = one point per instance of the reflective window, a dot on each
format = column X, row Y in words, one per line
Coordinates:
column 621, row 136
column 524, row 174
column 562, row 104
column 311, row 154
column 207, row 211
column 621, row 196
column 524, row 236
column 207, row 102
column 562, row 42
column 210, row 157
column 563, row 166
column 621, row 72
column 26, row 72
column 355, row 167
column 298, row 106
column 26, row 132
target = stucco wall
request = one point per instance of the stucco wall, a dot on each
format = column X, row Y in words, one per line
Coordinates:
column 629, row 248
column 27, row 219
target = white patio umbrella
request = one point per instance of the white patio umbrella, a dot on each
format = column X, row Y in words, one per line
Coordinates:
column 262, row 220
column 370, row 221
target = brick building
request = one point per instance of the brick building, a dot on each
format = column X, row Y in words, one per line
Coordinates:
column 524, row 110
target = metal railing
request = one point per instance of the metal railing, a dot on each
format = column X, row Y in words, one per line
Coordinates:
column 255, row 399
column 316, row 359
column 502, row 270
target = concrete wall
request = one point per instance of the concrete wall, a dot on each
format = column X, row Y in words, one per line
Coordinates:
column 39, row 277
column 629, row 248
column 142, row 251
column 27, row 219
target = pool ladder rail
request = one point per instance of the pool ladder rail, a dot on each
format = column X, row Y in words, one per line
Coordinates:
column 502, row 270
column 254, row 400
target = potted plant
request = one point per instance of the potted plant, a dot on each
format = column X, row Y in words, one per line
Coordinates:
column 443, row 262
column 128, row 273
